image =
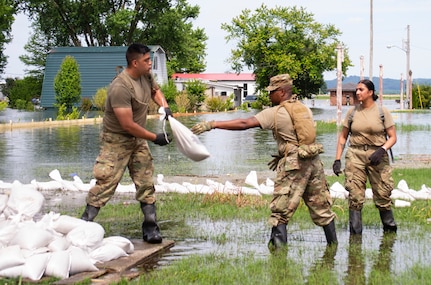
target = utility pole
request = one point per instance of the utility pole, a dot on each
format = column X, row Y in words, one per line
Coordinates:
column 340, row 59
column 381, row 84
column 371, row 40
column 409, row 72
column 361, row 58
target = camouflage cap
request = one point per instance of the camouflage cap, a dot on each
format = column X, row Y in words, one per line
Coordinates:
column 279, row 81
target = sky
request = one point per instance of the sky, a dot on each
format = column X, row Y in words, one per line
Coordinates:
column 351, row 17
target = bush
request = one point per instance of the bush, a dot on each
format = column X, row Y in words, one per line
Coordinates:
column 182, row 101
column 3, row 105
column 99, row 99
column 86, row 105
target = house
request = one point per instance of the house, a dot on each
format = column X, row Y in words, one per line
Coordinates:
column 348, row 95
column 97, row 67
column 221, row 84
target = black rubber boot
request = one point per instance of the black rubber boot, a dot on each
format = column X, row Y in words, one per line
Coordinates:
column 355, row 222
column 278, row 238
column 150, row 229
column 389, row 225
column 330, row 233
column 90, row 213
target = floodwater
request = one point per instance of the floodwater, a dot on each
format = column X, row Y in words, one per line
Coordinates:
column 27, row 154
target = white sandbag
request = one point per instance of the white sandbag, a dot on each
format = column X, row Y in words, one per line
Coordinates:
column 12, row 272
column 8, row 230
column 251, row 179
column 59, row 244
column 106, row 253
column 187, row 142
column 3, row 202
column 86, row 236
column 24, row 203
column 80, row 261
column 59, row 265
column 401, row 203
column 120, row 241
column 11, row 256
column 31, row 237
column 368, row 193
column 402, row 186
column 397, row 194
column 35, row 265
column 64, row 224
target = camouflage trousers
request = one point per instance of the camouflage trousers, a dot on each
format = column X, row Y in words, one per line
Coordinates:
column 307, row 183
column 118, row 152
column 358, row 169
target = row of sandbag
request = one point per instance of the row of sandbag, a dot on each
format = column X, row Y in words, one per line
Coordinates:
column 33, row 245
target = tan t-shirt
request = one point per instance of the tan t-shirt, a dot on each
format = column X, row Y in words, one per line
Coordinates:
column 367, row 127
column 127, row 92
column 284, row 127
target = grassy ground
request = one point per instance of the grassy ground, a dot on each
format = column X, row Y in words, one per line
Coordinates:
column 229, row 268
column 175, row 211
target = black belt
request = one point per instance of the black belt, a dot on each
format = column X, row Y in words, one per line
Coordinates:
column 364, row 147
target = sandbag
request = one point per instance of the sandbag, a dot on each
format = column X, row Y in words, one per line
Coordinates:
column 120, row 241
column 24, row 203
column 31, row 237
column 80, row 261
column 11, row 256
column 106, row 253
column 187, row 142
column 87, row 236
column 59, row 264
column 35, row 265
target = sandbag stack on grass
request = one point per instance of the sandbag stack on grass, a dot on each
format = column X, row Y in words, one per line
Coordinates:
column 33, row 245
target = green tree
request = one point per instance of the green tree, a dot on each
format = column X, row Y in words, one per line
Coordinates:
column 21, row 91
column 7, row 11
column 170, row 91
column 118, row 22
column 284, row 40
column 195, row 93
column 67, row 83
column 37, row 49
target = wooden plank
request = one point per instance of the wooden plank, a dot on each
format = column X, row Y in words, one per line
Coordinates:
column 115, row 270
column 143, row 252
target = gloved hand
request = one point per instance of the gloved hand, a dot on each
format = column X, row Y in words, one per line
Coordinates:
column 336, row 167
column 168, row 112
column 274, row 162
column 202, row 127
column 377, row 156
column 162, row 139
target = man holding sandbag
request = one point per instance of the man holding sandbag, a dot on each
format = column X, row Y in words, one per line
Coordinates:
column 124, row 140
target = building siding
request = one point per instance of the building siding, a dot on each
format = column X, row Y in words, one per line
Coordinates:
column 97, row 67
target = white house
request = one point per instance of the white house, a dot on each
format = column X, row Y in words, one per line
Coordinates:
column 221, row 84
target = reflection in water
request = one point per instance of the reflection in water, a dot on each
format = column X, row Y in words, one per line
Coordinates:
column 381, row 271
column 381, row 267
column 356, row 262
column 325, row 265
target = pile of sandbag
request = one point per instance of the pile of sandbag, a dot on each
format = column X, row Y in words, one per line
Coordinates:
column 402, row 194
column 33, row 245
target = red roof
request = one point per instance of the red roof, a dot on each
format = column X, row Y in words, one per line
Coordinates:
column 216, row 76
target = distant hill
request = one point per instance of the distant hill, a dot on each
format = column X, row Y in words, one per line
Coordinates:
column 390, row 86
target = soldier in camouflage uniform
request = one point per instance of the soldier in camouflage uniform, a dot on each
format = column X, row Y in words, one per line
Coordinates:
column 370, row 135
column 300, row 173
column 124, row 140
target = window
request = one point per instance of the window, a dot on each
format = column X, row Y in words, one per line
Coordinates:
column 155, row 63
